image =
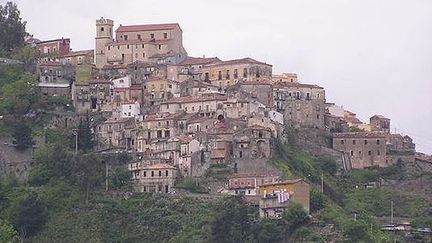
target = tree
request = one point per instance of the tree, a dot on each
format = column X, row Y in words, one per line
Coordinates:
column 28, row 215
column 294, row 214
column 85, row 137
column 22, row 135
column 121, row 178
column 316, row 200
column 328, row 165
column 7, row 233
column 12, row 28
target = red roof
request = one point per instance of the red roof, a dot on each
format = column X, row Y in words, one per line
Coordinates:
column 198, row 61
column 146, row 27
column 359, row 135
column 246, row 60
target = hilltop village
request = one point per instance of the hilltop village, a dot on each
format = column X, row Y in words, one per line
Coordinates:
column 177, row 116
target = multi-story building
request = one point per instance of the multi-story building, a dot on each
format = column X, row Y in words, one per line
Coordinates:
column 364, row 149
column 190, row 68
column 158, row 177
column 78, row 57
column 303, row 105
column 380, row 123
column 207, row 105
column 226, row 73
column 252, row 142
column 276, row 196
column 136, row 42
column 285, row 78
column 56, row 47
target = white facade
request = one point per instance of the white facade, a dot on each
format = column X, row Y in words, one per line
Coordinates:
column 123, row 82
column 130, row 110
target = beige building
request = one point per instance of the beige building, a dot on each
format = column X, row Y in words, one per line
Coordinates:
column 193, row 104
column 226, row 73
column 364, row 149
column 137, row 42
column 78, row 57
column 285, row 78
column 153, row 178
column 276, row 196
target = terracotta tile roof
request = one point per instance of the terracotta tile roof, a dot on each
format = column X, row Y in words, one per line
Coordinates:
column 379, row 117
column 54, row 40
column 246, row 60
column 283, row 182
column 352, row 120
column 242, row 183
column 184, row 138
column 78, row 53
column 159, row 166
column 199, row 60
column 191, row 99
column 133, row 42
column 359, row 135
column 295, row 85
column 147, row 27
column 218, row 153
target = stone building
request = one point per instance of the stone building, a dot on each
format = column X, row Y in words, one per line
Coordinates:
column 380, row 123
column 136, row 42
column 78, row 57
column 193, row 104
column 252, row 142
column 247, row 183
column 272, row 204
column 226, row 73
column 303, row 105
column 365, row 149
column 152, row 178
column 193, row 87
column 55, row 47
column 190, row 68
column 400, row 149
column 260, row 91
column 157, row 91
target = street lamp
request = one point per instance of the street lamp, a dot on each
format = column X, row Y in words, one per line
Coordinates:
column 75, row 133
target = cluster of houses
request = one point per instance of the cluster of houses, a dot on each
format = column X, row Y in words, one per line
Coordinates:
column 181, row 114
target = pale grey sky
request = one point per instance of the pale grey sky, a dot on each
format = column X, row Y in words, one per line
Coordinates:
column 372, row 56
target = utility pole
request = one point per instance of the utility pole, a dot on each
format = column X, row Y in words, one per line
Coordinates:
column 322, row 182
column 106, row 176
column 75, row 133
column 391, row 217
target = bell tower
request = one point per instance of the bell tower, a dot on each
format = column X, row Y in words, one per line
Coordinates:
column 104, row 34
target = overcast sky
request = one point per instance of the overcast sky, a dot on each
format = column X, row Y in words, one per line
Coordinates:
column 372, row 56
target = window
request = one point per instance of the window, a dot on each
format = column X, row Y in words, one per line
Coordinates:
column 378, row 141
column 167, row 133
column 109, row 48
column 365, row 142
column 245, row 73
column 165, row 35
column 118, row 47
column 142, row 46
column 160, row 173
column 125, row 38
column 257, row 74
column 145, row 174
column 378, row 152
column 352, row 153
column 136, row 55
column 151, row 36
column 159, row 47
column 102, row 29
column 354, row 142
column 220, row 75
column 152, row 173
column 235, row 74
column 166, row 173
column 143, row 54
column 369, row 152
column 227, row 74
column 206, row 77
column 127, row 46
column 139, row 37
column 167, row 123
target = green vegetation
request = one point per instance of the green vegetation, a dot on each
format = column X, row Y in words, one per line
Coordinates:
column 12, row 28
